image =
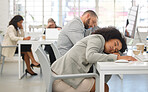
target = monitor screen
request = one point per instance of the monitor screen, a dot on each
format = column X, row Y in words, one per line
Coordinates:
column 52, row 34
column 131, row 22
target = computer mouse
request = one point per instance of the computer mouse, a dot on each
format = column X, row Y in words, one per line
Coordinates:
column 121, row 61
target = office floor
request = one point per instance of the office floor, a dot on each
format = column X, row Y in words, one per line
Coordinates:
column 9, row 82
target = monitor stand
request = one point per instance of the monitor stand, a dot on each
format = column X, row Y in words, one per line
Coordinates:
column 139, row 37
column 131, row 40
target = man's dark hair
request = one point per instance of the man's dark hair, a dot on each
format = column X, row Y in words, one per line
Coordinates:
column 14, row 21
column 91, row 12
column 112, row 33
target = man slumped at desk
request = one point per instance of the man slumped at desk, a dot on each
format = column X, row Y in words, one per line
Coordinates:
column 75, row 30
column 98, row 47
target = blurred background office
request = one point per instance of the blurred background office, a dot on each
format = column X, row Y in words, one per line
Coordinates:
column 37, row 12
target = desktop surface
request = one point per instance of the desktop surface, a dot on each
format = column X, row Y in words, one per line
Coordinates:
column 143, row 58
column 107, row 68
column 122, row 66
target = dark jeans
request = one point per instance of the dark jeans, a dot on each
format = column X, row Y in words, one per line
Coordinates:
column 49, row 50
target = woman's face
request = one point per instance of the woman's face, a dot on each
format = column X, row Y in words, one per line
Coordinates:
column 51, row 25
column 112, row 46
column 19, row 24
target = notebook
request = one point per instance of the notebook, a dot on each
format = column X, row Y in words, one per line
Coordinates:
column 52, row 34
column 143, row 58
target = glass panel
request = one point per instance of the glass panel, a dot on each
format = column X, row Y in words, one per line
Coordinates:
column 33, row 14
column 113, row 13
column 72, row 9
column 121, row 13
column 110, row 12
column 142, row 15
column 51, row 10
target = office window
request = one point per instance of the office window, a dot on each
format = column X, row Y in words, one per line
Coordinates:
column 11, row 8
column 87, row 5
column 75, row 8
column 34, row 11
column 17, row 7
column 106, row 12
column 110, row 12
column 142, row 15
column 51, row 10
column 113, row 13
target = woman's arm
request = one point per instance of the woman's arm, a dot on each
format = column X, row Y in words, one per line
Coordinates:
column 94, row 51
column 22, row 34
column 12, row 34
column 129, row 58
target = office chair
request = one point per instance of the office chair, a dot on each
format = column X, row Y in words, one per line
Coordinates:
column 49, row 77
column 55, row 50
column 1, row 39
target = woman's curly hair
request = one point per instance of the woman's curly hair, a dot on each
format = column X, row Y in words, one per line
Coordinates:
column 112, row 33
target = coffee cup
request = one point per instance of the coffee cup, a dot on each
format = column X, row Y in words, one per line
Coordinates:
column 136, row 52
column 43, row 37
column 140, row 46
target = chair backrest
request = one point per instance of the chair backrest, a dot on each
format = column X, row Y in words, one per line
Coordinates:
column 55, row 50
column 1, row 39
column 47, row 74
column 0, row 50
column 45, row 65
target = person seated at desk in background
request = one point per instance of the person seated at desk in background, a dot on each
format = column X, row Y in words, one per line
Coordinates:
column 48, row 48
column 13, row 34
column 98, row 47
column 52, row 24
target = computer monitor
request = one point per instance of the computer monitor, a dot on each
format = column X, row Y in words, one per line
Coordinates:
column 52, row 33
column 131, row 24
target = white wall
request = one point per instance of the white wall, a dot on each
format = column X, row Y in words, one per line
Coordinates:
column 4, row 16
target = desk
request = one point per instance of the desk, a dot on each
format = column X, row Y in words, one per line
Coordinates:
column 107, row 68
column 19, row 51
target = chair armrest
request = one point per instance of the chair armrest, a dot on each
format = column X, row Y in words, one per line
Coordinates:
column 94, row 69
column 9, row 46
column 86, row 75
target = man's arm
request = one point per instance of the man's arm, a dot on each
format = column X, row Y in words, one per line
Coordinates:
column 75, row 32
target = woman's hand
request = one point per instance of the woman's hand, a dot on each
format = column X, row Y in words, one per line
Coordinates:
column 59, row 28
column 129, row 58
column 50, row 24
column 21, row 26
column 27, row 38
column 117, row 54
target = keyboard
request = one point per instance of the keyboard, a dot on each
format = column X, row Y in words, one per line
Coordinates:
column 143, row 58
